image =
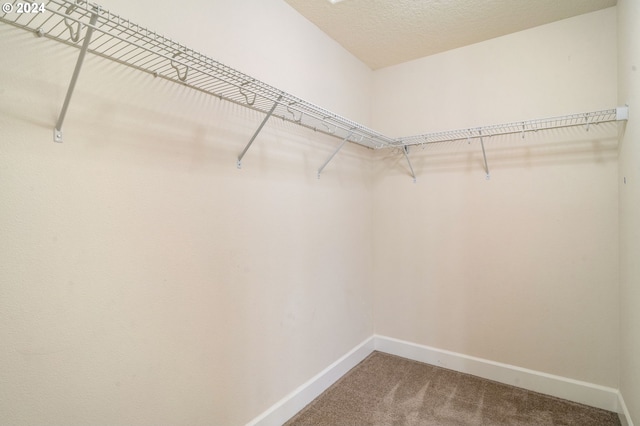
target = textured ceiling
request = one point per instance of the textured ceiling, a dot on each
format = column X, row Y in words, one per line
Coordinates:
column 387, row 32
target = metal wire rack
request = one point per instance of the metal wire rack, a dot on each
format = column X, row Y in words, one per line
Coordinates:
column 585, row 119
column 96, row 30
column 91, row 28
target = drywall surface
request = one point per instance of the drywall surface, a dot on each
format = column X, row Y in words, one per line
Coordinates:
column 522, row 268
column 267, row 40
column 629, row 184
column 144, row 279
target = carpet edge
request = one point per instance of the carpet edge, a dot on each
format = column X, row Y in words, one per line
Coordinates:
column 562, row 387
column 590, row 394
column 296, row 400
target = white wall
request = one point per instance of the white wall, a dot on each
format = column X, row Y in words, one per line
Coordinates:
column 144, row 279
column 628, row 181
column 267, row 40
column 522, row 268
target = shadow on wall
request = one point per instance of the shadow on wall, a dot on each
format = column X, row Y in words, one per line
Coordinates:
column 149, row 122
column 554, row 147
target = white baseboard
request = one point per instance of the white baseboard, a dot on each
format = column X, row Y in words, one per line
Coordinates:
column 561, row 387
column 623, row 412
column 288, row 406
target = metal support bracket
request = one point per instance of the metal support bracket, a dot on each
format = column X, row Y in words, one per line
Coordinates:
column 344, row 141
column 484, row 155
column 246, row 148
column 405, row 151
column 57, row 132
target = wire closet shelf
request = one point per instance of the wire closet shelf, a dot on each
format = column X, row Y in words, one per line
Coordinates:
column 585, row 119
column 74, row 22
column 125, row 42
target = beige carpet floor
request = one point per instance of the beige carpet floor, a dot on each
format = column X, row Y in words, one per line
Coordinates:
column 388, row 390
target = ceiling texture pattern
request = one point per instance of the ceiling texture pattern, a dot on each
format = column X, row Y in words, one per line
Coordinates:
column 382, row 33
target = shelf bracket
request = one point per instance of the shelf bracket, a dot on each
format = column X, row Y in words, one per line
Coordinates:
column 405, row 151
column 344, row 141
column 57, row 132
column 484, row 155
column 246, row 148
